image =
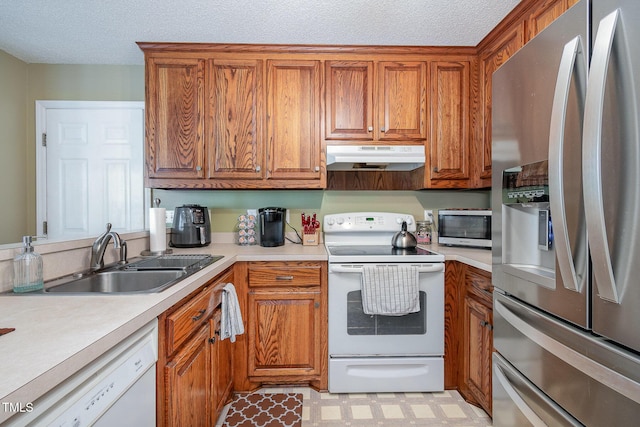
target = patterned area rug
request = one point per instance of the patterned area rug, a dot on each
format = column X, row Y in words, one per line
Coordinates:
column 265, row 410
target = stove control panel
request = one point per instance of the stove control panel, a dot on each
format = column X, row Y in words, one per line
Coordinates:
column 367, row 222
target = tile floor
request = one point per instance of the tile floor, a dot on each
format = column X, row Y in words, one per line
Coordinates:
column 383, row 409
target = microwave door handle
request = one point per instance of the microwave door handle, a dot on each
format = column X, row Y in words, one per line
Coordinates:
column 572, row 58
column 592, row 159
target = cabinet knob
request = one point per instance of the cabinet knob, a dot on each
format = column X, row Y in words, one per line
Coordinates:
column 382, row 130
column 257, row 168
column 317, row 168
column 435, row 169
column 316, row 305
column 212, row 340
column 370, row 128
column 198, row 168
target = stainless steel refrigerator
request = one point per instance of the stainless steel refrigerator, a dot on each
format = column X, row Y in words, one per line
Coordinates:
column 566, row 222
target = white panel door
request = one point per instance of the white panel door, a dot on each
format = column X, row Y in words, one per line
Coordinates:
column 94, row 170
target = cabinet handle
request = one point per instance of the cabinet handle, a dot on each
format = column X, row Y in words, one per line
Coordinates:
column 284, row 277
column 486, row 324
column 370, row 128
column 199, row 315
column 212, row 340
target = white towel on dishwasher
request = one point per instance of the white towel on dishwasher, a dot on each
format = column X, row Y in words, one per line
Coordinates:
column 231, row 317
column 390, row 290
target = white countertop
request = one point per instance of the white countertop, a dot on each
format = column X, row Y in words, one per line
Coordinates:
column 57, row 335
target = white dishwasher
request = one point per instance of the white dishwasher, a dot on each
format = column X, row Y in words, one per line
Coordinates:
column 117, row 389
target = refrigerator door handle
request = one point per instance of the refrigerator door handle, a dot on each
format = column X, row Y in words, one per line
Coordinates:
column 572, row 58
column 592, row 159
column 590, row 367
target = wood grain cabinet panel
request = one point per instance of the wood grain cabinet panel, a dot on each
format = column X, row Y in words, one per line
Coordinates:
column 449, row 145
column 402, row 100
column 543, row 14
column 293, row 120
column 236, row 115
column 349, row 100
column 491, row 60
column 194, row 369
column 477, row 338
column 188, row 383
column 174, row 123
column 284, row 333
column 286, row 338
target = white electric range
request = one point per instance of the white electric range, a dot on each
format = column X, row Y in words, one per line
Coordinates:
column 381, row 353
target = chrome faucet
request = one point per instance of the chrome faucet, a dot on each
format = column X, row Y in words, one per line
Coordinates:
column 100, row 246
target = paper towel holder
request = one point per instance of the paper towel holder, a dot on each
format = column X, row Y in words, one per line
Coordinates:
column 166, row 251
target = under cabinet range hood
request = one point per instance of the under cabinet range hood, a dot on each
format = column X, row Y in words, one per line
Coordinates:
column 375, row 157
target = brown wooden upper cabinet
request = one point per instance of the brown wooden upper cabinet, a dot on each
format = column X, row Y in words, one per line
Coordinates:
column 236, row 115
column 293, row 120
column 448, row 159
column 175, row 118
column 390, row 106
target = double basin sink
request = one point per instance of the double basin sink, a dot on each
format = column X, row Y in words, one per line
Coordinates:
column 146, row 275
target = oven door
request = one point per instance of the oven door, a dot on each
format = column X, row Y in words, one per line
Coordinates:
column 353, row 333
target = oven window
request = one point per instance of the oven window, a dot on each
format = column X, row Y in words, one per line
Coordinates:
column 359, row 323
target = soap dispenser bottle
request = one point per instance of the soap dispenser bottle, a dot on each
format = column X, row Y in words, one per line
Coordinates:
column 27, row 269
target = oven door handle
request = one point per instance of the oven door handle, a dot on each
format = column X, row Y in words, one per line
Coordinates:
column 357, row 268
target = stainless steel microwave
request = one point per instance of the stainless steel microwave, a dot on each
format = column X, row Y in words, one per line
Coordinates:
column 464, row 227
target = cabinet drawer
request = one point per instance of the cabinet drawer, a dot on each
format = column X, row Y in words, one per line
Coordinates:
column 184, row 321
column 479, row 283
column 284, row 275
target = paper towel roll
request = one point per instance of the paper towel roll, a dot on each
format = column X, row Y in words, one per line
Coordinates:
column 157, row 230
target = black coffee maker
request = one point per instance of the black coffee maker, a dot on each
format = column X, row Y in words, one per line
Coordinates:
column 272, row 221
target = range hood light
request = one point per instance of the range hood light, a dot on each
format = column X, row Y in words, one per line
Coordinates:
column 375, row 157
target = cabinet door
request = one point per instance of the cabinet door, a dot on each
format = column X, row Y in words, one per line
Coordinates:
column 543, row 14
column 293, row 120
column 284, row 333
column 477, row 351
column 175, row 118
column 236, row 116
column 349, row 100
column 402, row 100
column 188, row 383
column 221, row 369
column 509, row 44
column 448, row 153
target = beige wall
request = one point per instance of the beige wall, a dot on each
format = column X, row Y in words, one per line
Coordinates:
column 13, row 148
column 21, row 84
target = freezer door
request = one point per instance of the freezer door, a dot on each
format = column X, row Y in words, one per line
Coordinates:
column 518, row 403
column 593, row 380
column 611, row 164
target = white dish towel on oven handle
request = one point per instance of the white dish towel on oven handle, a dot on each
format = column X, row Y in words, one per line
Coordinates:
column 390, row 290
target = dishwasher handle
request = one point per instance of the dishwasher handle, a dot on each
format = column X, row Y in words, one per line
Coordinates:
column 358, row 268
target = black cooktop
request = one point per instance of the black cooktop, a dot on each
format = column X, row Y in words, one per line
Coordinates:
column 364, row 250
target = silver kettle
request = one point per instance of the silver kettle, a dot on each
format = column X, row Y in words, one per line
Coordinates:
column 404, row 239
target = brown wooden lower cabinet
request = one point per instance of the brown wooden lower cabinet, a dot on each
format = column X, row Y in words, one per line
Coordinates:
column 194, row 373
column 477, row 338
column 286, row 337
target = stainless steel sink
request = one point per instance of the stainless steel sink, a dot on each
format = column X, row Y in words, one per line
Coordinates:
column 120, row 281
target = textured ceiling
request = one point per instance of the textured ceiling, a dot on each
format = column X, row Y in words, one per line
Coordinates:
column 105, row 31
